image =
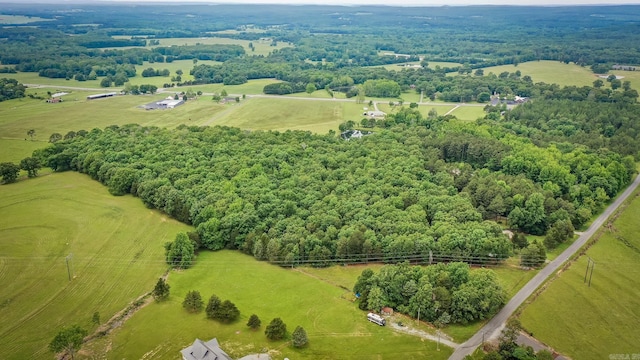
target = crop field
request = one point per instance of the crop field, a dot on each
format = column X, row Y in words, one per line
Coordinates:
column 550, row 72
column 20, row 115
column 290, row 114
column 117, row 254
column 594, row 322
column 335, row 327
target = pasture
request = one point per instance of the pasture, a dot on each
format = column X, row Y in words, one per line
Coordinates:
column 549, row 72
column 468, row 113
column 593, row 322
column 14, row 150
column 282, row 114
column 76, row 113
column 117, row 247
column 19, row 19
column 335, row 327
column 262, row 47
column 184, row 65
column 631, row 76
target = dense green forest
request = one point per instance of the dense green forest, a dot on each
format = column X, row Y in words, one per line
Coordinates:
column 441, row 294
column 421, row 188
column 323, row 37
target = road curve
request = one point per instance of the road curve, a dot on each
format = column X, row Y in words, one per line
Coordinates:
column 492, row 329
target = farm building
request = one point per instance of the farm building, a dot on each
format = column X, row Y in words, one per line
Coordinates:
column 170, row 104
column 374, row 114
column 201, row 350
column 100, row 96
column 623, row 67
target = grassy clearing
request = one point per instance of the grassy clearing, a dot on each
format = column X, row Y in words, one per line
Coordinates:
column 289, row 114
column 550, row 72
column 184, row 65
column 335, row 327
column 252, row 87
column 14, row 150
column 19, row 115
column 117, row 255
column 33, row 78
column 19, row 19
column 469, row 113
column 593, row 322
column 261, row 47
column 632, row 76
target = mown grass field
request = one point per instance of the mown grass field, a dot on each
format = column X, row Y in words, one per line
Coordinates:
column 14, row 150
column 19, row 19
column 261, row 47
column 290, row 114
column 335, row 327
column 469, row 113
column 20, row 115
column 550, row 72
column 593, row 322
column 117, row 247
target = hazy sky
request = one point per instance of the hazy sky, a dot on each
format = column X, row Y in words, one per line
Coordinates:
column 411, row 2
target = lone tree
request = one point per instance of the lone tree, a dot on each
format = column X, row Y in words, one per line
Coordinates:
column 181, row 252
column 31, row 166
column 299, row 337
column 69, row 340
column 212, row 306
column 254, row 322
column 161, row 291
column 193, row 301
column 276, row 330
column 9, row 172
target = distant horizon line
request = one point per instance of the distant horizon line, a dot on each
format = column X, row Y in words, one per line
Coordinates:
column 352, row 3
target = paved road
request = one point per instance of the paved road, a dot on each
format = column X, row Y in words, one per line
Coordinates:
column 492, row 329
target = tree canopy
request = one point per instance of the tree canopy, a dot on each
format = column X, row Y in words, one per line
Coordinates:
column 68, row 339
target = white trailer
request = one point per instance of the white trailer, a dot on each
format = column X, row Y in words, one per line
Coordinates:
column 377, row 319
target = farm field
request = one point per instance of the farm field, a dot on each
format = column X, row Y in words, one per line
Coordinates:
column 468, row 113
column 424, row 109
column 432, row 65
column 20, row 115
column 19, row 19
column 594, row 322
column 117, row 247
column 251, row 87
column 261, row 47
column 14, row 150
column 290, row 114
column 334, row 325
column 184, row 65
column 550, row 72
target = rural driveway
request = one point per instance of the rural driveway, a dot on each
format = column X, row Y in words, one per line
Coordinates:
column 492, row 329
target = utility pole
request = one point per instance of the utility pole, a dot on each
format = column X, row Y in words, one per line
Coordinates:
column 590, row 265
column 68, row 260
